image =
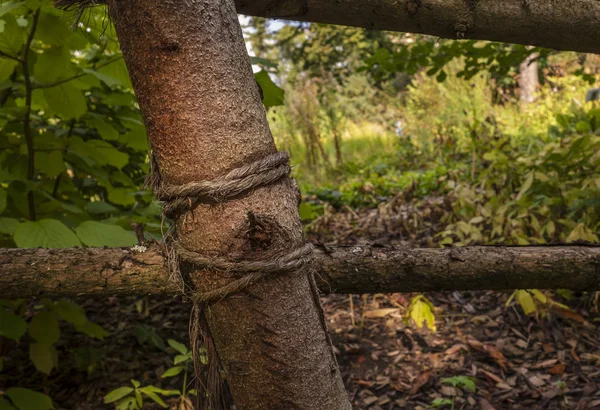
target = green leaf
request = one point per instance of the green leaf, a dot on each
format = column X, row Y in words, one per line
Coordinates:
column 117, row 394
column 466, row 382
column 147, row 334
column 45, row 233
column 100, row 207
column 44, row 327
column 50, row 163
column 118, row 71
column 99, row 234
column 148, row 392
column 70, row 311
column 26, row 399
column 7, row 67
column 93, row 330
column 106, row 79
column 52, row 65
column 526, row 185
column 55, row 29
column 273, row 95
column 180, row 359
column 3, row 198
column 105, row 154
column 65, row 100
column 11, row 326
column 121, row 196
column 43, row 356
column 8, row 6
column 583, row 127
column 135, row 383
column 128, row 403
column 8, row 225
column 105, row 129
column 5, row 405
column 179, row 347
column 173, row 371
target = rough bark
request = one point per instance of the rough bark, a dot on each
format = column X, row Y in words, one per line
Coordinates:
column 203, row 114
column 353, row 269
column 563, row 25
column 528, row 79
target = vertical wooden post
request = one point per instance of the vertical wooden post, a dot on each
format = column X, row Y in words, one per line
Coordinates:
column 192, row 76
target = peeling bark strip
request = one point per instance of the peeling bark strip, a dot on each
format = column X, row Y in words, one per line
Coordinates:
column 352, row 269
column 562, row 25
column 193, row 79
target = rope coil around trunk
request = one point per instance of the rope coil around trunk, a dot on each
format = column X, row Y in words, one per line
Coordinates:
column 181, row 198
column 178, row 199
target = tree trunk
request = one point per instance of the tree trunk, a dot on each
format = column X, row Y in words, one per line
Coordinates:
column 203, row 114
column 340, row 269
column 563, row 25
column 528, row 79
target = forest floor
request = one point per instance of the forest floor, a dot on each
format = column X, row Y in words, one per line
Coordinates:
column 516, row 361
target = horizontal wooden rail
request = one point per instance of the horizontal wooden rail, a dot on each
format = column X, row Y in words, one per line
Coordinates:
column 339, row 269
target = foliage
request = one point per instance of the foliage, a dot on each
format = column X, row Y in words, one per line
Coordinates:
column 421, row 311
column 460, row 382
column 132, row 398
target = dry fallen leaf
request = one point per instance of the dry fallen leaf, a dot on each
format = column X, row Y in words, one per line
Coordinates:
column 381, row 312
column 497, row 356
column 558, row 369
column 420, row 381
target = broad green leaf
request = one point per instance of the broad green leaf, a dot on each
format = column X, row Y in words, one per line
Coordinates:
column 8, row 225
column 5, row 405
column 50, row 163
column 6, row 68
column 581, row 233
column 173, row 371
column 117, row 394
column 106, row 79
column 121, row 196
column 98, row 234
column 55, row 29
column 44, row 327
column 45, row 233
column 105, row 154
column 100, row 207
column 52, row 65
column 93, row 330
column 147, row 334
column 3, row 197
column 26, row 399
column 179, row 347
column 99, row 152
column 105, row 129
column 11, row 326
column 8, row 6
column 118, row 71
column 12, row 36
column 65, row 100
column 463, row 382
column 135, row 383
column 273, row 95
column 70, row 311
column 43, row 356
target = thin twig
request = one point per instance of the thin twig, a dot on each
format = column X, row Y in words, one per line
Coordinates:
column 27, row 118
column 6, row 55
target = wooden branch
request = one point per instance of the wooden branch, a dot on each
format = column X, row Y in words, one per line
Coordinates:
column 562, row 25
column 352, row 269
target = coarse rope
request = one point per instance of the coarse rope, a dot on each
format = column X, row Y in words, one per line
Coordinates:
column 179, row 199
